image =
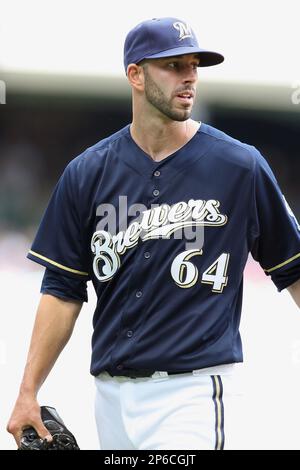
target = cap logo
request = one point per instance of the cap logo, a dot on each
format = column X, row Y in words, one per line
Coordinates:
column 184, row 30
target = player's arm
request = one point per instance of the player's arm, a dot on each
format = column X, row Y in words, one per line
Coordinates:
column 54, row 323
column 294, row 290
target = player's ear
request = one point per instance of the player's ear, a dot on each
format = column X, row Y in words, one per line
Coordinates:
column 135, row 75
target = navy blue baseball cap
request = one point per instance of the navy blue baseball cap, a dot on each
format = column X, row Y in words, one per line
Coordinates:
column 165, row 37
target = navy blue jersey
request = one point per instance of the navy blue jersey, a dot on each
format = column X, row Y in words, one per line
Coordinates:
column 165, row 245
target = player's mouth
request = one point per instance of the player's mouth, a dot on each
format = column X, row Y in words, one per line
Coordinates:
column 185, row 97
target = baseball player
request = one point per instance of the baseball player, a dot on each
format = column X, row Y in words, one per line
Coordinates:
column 161, row 217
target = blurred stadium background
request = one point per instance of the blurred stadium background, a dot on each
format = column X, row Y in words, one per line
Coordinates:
column 61, row 63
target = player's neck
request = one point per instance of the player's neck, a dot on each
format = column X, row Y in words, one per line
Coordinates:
column 159, row 141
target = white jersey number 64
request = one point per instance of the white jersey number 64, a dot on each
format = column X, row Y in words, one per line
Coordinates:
column 186, row 274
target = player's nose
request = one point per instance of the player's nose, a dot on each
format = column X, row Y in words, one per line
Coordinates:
column 190, row 74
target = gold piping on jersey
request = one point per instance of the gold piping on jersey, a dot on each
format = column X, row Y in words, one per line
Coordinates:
column 58, row 265
column 282, row 264
column 219, row 410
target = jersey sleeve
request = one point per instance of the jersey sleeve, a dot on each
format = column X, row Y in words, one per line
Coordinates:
column 64, row 287
column 58, row 243
column 276, row 232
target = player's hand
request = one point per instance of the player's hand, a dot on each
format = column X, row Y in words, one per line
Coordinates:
column 27, row 413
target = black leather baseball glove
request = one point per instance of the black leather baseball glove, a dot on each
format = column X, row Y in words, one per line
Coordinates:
column 63, row 439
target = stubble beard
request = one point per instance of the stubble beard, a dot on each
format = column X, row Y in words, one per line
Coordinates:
column 156, row 97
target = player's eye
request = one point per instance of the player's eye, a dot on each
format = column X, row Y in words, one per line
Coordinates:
column 177, row 65
column 173, row 65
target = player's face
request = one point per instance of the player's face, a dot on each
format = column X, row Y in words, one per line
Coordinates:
column 170, row 85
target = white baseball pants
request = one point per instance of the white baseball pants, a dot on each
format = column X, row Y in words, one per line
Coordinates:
column 165, row 412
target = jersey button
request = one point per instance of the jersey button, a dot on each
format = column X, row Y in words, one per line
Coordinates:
column 139, row 294
column 129, row 333
column 157, row 173
column 155, row 192
column 147, row 254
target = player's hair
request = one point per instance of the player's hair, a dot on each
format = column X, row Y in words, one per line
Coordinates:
column 144, row 63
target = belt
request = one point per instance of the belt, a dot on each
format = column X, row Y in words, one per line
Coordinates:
column 140, row 373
